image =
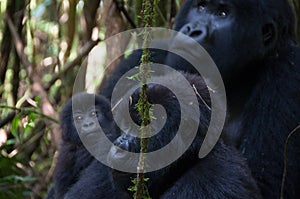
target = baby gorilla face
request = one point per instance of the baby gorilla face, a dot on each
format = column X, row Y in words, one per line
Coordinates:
column 86, row 122
column 85, row 116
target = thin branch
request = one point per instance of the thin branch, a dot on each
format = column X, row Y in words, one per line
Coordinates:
column 27, row 109
column 19, row 46
column 161, row 15
column 7, row 119
column 84, row 51
column 121, row 7
column 10, row 116
column 201, row 98
column 286, row 160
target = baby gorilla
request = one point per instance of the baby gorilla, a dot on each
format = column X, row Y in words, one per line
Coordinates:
column 80, row 120
column 223, row 173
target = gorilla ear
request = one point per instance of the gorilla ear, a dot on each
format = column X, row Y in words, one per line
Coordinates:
column 270, row 35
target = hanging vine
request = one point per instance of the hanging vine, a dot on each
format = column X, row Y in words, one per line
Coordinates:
column 143, row 106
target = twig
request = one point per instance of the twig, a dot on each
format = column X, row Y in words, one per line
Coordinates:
column 121, row 7
column 201, row 98
column 69, row 65
column 32, row 110
column 19, row 46
column 161, row 15
column 8, row 118
column 286, row 160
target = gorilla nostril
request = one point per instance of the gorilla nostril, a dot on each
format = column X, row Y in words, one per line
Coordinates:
column 88, row 124
column 196, row 33
column 188, row 29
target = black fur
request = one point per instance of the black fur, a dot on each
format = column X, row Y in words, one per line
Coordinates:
column 253, row 44
column 74, row 161
column 259, row 60
column 95, row 182
column 222, row 174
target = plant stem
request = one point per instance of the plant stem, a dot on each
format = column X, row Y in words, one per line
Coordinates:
column 143, row 105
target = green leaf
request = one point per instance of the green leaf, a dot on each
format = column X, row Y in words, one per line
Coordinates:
column 37, row 99
column 10, row 142
column 15, row 126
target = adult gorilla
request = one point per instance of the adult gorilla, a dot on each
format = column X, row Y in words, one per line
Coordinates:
column 253, row 44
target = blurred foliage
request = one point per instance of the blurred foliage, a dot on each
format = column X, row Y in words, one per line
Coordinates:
column 42, row 46
column 35, row 81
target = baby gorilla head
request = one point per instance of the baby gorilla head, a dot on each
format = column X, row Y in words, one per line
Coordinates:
column 81, row 119
column 85, row 115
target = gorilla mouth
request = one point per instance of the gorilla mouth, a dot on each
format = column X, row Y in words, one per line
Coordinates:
column 90, row 136
column 95, row 137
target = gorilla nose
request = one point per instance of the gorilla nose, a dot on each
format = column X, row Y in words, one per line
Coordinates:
column 198, row 32
column 89, row 125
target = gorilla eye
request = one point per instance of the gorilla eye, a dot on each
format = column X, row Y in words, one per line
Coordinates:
column 78, row 118
column 222, row 14
column 94, row 114
column 201, row 7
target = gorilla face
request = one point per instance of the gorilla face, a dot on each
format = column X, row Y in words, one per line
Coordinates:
column 83, row 115
column 86, row 121
column 234, row 33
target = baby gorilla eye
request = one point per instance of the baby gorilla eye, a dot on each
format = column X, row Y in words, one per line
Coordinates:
column 94, row 114
column 78, row 118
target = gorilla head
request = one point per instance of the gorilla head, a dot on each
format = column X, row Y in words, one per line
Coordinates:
column 239, row 35
column 82, row 116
